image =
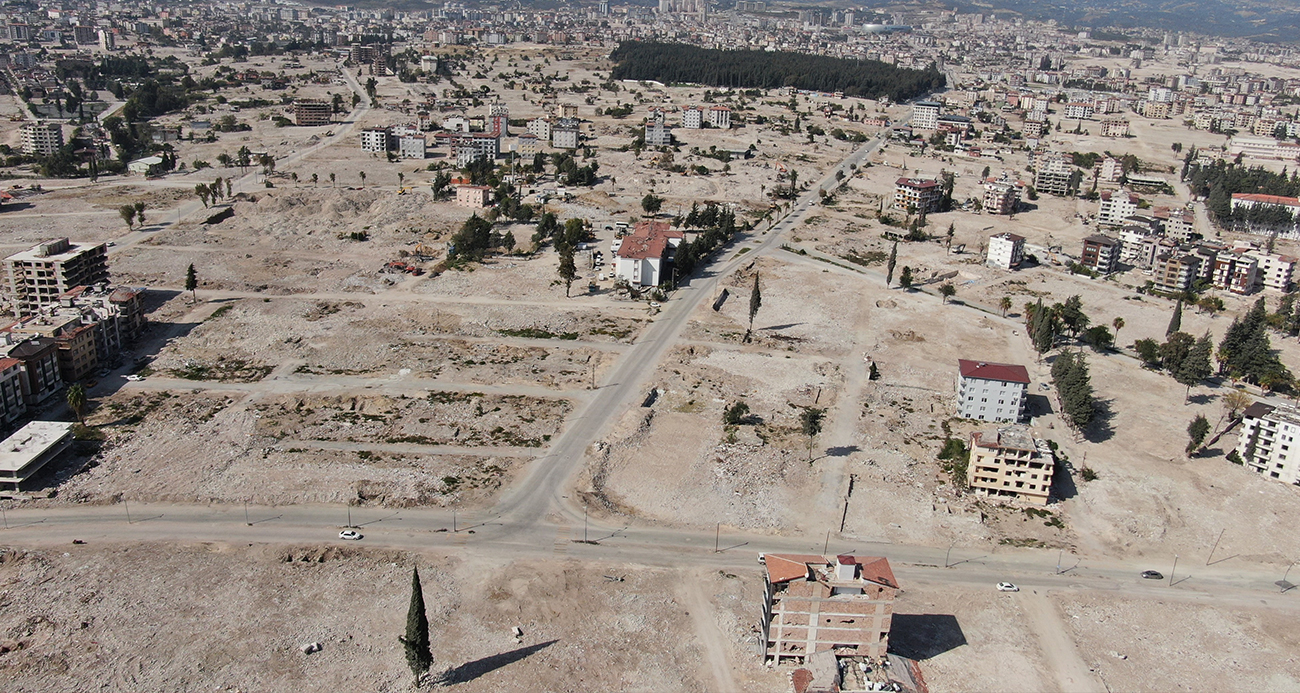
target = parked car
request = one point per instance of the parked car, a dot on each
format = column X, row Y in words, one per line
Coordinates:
column 1007, row 587
column 1152, row 575
column 135, row 378
column 762, row 559
column 350, row 535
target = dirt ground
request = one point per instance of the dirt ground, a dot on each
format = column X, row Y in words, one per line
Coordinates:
column 112, row 617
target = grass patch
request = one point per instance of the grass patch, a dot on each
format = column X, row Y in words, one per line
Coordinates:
column 536, row 333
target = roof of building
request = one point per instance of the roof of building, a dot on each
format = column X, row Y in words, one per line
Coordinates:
column 1267, row 199
column 29, row 442
column 649, row 239
column 1010, row 438
column 987, row 370
column 31, row 347
column 785, row 567
column 917, row 182
column 1010, row 237
column 1258, row 410
column 7, row 363
column 1100, row 240
column 73, row 250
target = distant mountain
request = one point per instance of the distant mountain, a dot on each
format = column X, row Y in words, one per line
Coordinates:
column 1266, row 20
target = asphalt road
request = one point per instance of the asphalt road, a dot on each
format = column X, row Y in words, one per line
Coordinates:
column 537, row 519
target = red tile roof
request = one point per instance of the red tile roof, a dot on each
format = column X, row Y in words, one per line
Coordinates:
column 648, row 239
column 987, row 370
column 916, row 182
column 792, row 566
column 1268, row 199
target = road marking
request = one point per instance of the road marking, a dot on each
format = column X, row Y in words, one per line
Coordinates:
column 561, row 540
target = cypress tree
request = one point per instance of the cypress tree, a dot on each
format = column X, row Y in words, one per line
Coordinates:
column 416, row 640
column 755, row 302
column 1176, row 322
column 1044, row 331
column 889, row 267
column 1075, row 389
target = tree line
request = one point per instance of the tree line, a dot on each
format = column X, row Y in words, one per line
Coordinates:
column 675, row 62
column 1217, row 182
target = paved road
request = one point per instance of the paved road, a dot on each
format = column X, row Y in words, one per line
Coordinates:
column 536, row 513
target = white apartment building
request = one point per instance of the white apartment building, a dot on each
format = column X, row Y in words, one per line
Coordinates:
column 540, row 128
column 1111, row 171
column 564, row 137
column 988, row 391
column 41, row 139
column 1115, row 207
column 925, row 115
column 374, row 140
column 1114, row 127
column 1078, row 111
column 1263, row 148
column 1276, row 272
column 1010, row 463
column 720, row 117
column 1001, row 197
column 1006, row 251
column 692, row 118
column 1270, row 441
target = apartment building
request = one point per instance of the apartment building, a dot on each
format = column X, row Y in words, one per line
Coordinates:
column 1033, row 129
column 925, row 115
column 1115, row 207
column 720, row 117
column 565, row 134
column 1053, row 176
column 12, row 403
column 1114, row 127
column 38, row 359
column 988, row 391
column 475, row 196
column 29, row 449
column 1178, row 224
column 40, row 139
column 540, row 128
column 1176, row 272
column 643, row 256
column 1268, row 442
column 37, row 277
column 1009, row 464
column 812, row 604
column 1078, row 111
column 498, row 122
column 1276, row 272
column 692, row 118
column 1100, row 253
column 312, row 112
column 1006, row 251
column 917, row 194
column 375, row 140
column 1001, row 197
column 1264, row 148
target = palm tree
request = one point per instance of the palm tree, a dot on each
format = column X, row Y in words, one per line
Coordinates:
column 1118, row 324
column 1005, row 305
column 332, row 176
column 315, row 177
column 77, row 401
column 401, row 179
column 363, row 178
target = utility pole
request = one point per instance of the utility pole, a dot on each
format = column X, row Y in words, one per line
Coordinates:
column 6, row 516
column 717, row 533
column 246, row 521
column 127, row 503
column 827, row 545
column 947, row 555
column 1058, row 561
column 1171, row 571
column 349, row 517
column 453, row 522
column 584, row 524
column 1216, row 545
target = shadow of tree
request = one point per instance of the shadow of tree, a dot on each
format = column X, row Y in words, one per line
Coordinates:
column 1102, row 427
column 842, row 450
column 472, row 670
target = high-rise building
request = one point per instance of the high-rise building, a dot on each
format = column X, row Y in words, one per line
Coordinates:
column 37, row 277
column 41, row 139
column 312, row 112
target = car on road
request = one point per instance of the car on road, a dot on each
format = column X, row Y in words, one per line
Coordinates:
column 762, row 559
column 1152, row 575
column 1007, row 587
column 654, row 304
column 350, row 535
column 135, row 378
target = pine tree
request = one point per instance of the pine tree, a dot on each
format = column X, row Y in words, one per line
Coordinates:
column 755, row 301
column 1195, row 367
column 905, row 279
column 889, row 266
column 416, row 640
column 568, row 270
column 1176, row 322
column 192, row 282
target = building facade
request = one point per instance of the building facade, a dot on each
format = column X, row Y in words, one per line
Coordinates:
column 917, row 195
column 812, row 604
column 925, row 115
column 40, row 139
column 1100, row 253
column 988, row 391
column 312, row 112
column 1009, row 463
column 1268, row 442
column 1001, row 197
column 1006, row 251
column 37, row 277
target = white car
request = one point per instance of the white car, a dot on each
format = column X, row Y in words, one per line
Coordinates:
column 654, row 304
column 1007, row 587
column 350, row 535
column 135, row 378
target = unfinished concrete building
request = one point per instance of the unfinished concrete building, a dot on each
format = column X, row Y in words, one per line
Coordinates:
column 1010, row 463
column 812, row 604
